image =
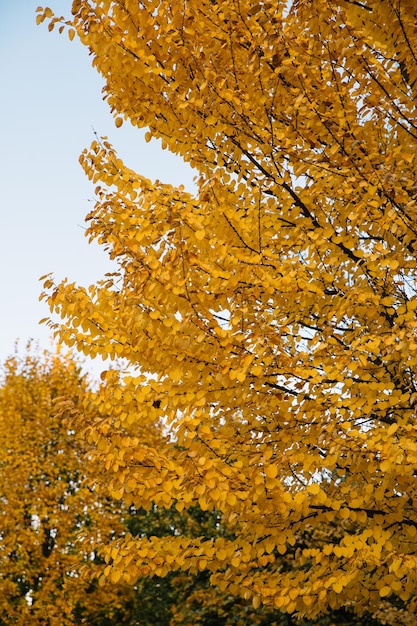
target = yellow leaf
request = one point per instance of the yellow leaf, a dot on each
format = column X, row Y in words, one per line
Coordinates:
column 271, row 471
column 385, row 465
column 256, row 602
column 385, row 591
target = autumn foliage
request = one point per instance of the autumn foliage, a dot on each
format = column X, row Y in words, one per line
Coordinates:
column 268, row 321
column 51, row 521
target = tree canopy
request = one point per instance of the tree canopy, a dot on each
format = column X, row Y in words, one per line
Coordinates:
column 51, row 521
column 268, row 320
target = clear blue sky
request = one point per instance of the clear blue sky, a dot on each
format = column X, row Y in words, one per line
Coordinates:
column 50, row 100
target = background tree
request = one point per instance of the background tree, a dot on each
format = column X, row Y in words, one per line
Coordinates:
column 269, row 319
column 51, row 522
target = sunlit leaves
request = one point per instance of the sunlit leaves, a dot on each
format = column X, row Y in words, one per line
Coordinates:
column 267, row 321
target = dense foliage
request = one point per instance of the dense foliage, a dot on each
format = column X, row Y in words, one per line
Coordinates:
column 51, row 521
column 269, row 319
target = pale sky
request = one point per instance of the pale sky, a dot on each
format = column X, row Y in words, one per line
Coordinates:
column 50, row 100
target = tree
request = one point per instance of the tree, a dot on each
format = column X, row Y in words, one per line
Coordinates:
column 269, row 319
column 51, row 522
column 180, row 599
